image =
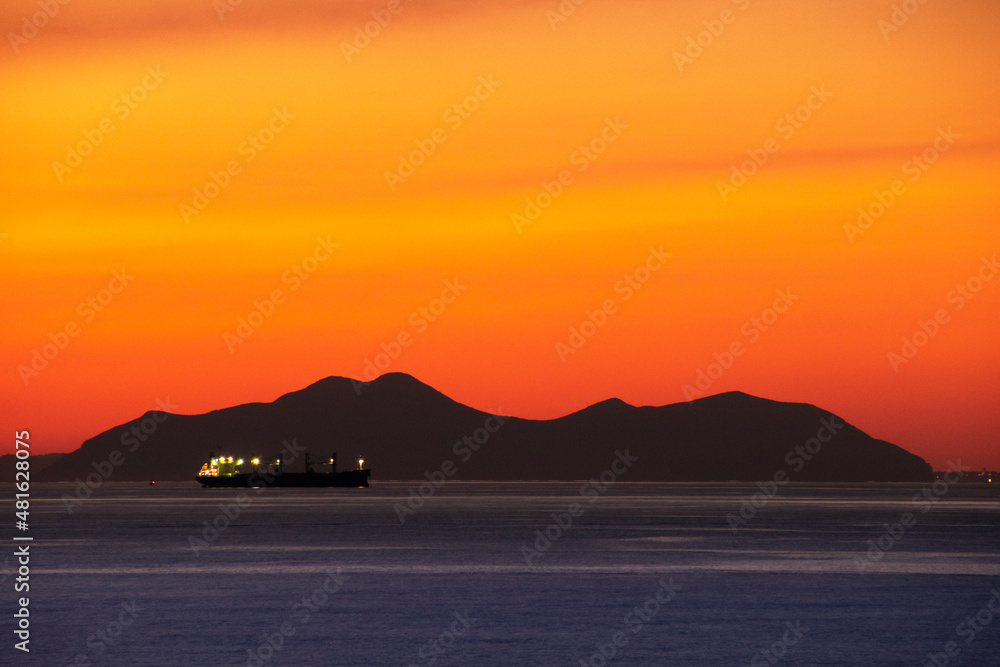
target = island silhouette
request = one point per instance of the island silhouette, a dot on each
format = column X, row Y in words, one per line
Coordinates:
column 407, row 430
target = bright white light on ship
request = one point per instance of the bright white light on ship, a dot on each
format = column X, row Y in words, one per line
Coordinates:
column 361, row 462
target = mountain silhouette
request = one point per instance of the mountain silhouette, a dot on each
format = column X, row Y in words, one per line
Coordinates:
column 406, row 430
column 39, row 462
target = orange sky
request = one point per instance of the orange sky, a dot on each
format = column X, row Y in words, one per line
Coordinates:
column 162, row 95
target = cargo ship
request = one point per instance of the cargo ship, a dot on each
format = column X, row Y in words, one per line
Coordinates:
column 224, row 471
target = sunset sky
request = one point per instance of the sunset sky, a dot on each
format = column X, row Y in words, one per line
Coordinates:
column 477, row 177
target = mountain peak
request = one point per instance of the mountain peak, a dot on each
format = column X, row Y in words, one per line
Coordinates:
column 405, row 428
column 399, row 379
column 609, row 404
column 735, row 395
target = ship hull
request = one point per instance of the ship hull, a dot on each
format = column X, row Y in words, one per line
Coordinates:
column 347, row 478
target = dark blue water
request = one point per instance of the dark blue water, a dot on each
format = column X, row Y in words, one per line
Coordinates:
column 642, row 574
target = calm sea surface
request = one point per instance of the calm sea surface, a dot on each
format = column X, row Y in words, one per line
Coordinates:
column 510, row 574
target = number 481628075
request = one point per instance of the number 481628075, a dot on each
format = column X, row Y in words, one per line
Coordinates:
column 21, row 477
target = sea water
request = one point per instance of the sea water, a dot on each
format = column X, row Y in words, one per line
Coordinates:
column 510, row 574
